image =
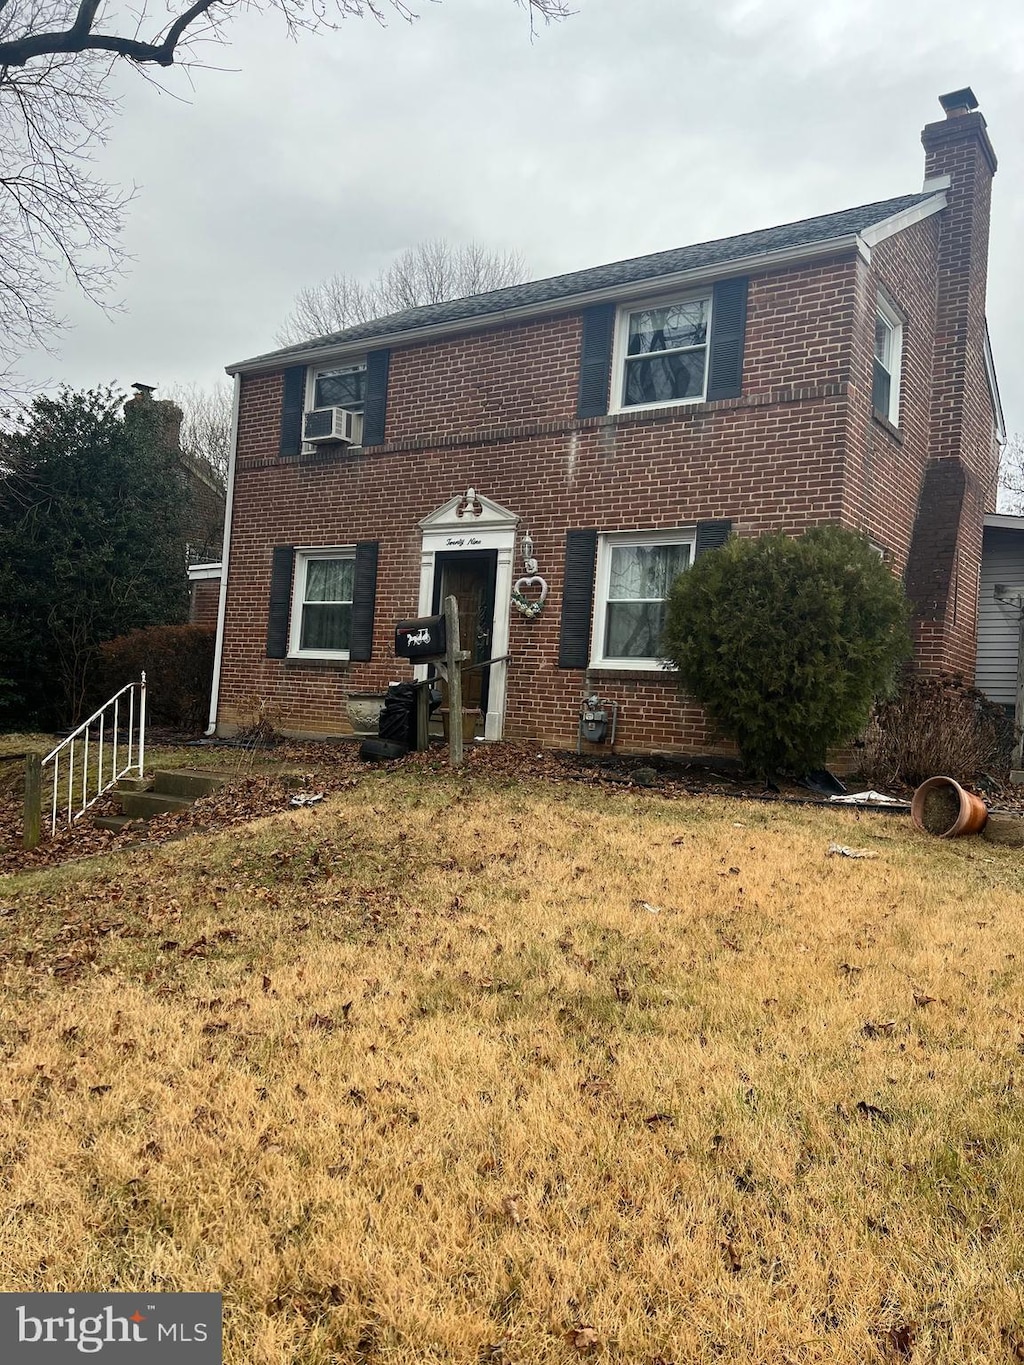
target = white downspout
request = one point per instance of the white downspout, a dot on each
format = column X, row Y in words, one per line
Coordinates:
column 225, row 556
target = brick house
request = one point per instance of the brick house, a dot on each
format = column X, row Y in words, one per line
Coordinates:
column 627, row 417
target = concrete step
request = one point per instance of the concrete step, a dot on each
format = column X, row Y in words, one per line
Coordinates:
column 144, row 805
column 189, row 782
column 113, row 822
column 132, row 784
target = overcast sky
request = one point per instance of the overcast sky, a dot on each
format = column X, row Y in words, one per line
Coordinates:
column 634, row 126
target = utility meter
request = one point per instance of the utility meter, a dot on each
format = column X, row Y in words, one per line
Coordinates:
column 594, row 721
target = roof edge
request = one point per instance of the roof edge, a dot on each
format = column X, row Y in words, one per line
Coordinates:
column 993, row 388
column 899, row 222
column 636, row 289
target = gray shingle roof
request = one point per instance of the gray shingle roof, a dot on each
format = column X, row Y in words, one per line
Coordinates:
column 639, row 269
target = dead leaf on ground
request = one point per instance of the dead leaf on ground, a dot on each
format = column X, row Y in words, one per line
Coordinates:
column 323, row 1022
column 656, row 1120
column 921, row 1000
column 492, row 1353
column 901, row 1340
column 872, row 1111
column 584, row 1338
column 732, row 1257
column 510, row 1208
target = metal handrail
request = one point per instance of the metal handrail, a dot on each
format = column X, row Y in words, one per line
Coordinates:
column 134, row 754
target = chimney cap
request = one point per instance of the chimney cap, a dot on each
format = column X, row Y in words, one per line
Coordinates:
column 144, row 390
column 959, row 101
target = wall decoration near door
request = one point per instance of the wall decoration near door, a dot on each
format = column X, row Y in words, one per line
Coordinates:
column 469, row 576
column 527, row 605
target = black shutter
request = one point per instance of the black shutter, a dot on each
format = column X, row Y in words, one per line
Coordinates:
column 364, row 596
column 376, row 406
column 280, row 601
column 596, row 360
column 577, row 599
column 292, row 405
column 711, row 534
column 728, row 328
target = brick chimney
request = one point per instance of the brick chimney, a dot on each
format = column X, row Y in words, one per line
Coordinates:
column 959, row 483
column 163, row 415
column 959, row 147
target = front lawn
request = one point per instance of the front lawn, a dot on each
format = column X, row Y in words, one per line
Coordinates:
column 462, row 1069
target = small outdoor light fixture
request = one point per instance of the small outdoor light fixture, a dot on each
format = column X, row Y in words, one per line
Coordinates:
column 529, row 563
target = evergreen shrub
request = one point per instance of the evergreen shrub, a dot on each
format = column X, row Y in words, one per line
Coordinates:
column 787, row 642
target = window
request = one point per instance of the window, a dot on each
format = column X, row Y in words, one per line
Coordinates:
column 342, row 386
column 664, row 351
column 634, row 575
column 322, row 603
column 885, row 386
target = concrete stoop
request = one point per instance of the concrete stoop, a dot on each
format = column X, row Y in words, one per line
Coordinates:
column 169, row 789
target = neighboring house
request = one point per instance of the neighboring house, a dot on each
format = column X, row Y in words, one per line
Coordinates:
column 1000, row 612
column 628, row 417
column 203, row 489
column 203, row 593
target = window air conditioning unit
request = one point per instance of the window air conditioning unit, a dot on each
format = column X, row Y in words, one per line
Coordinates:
column 330, row 424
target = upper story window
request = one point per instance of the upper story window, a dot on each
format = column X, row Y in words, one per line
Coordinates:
column 322, row 603
column 344, row 386
column 885, row 384
column 635, row 573
column 663, row 353
column 340, row 386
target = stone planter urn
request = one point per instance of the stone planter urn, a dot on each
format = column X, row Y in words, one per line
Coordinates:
column 364, row 710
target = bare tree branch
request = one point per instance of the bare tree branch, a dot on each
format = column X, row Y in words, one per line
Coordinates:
column 430, row 272
column 80, row 34
column 206, row 424
column 58, row 219
column 1011, row 476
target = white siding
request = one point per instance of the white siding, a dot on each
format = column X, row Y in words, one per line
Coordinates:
column 998, row 623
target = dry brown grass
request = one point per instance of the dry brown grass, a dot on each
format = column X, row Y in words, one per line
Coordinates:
column 422, row 1079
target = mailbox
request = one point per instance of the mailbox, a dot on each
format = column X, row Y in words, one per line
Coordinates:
column 423, row 638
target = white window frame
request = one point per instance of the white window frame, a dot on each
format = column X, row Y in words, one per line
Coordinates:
column 888, row 314
column 303, row 558
column 685, row 535
column 313, row 373
column 621, row 346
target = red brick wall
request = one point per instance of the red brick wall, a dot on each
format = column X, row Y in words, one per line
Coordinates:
column 773, row 458
column 204, row 601
column 495, row 410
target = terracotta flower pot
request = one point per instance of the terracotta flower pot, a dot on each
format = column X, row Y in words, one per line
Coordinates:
column 941, row 806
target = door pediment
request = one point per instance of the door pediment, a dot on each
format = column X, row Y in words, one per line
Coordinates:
column 468, row 512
